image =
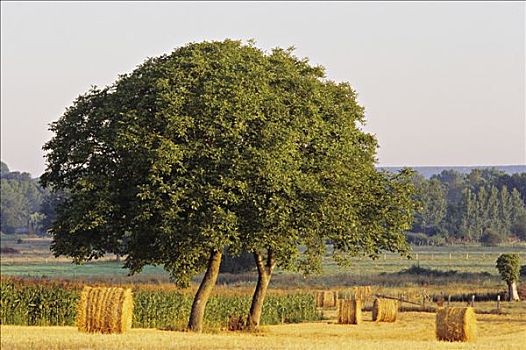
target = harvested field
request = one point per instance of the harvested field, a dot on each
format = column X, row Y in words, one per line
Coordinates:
column 411, row 331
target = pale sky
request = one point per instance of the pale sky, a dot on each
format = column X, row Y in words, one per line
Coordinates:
column 442, row 83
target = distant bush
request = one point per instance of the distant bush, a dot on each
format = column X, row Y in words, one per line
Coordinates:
column 424, row 239
column 491, row 238
column 519, row 227
column 417, row 238
column 9, row 250
column 422, row 271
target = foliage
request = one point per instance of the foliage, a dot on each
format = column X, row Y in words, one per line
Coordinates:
column 417, row 238
column 219, row 145
column 55, row 304
column 153, row 163
column 20, row 202
column 491, row 237
column 37, row 305
column 4, row 169
column 432, row 273
column 518, row 228
column 483, row 206
column 51, row 200
column 432, row 196
column 509, row 267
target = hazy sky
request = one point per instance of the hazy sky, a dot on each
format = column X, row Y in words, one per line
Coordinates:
column 442, row 83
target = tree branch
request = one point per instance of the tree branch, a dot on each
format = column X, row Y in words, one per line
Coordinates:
column 271, row 261
column 259, row 262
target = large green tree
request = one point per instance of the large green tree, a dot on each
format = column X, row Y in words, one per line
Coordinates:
column 154, row 164
column 312, row 178
column 218, row 146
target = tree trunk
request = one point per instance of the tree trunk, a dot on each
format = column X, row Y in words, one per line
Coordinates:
column 264, row 275
column 195, row 323
column 512, row 292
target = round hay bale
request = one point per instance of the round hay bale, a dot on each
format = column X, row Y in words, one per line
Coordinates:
column 326, row 298
column 82, row 309
column 385, row 310
column 105, row 310
column 362, row 293
column 456, row 324
column 329, row 298
column 349, row 311
column 319, row 299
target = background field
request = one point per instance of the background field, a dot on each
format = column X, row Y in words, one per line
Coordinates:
column 34, row 259
column 411, row 331
column 434, row 272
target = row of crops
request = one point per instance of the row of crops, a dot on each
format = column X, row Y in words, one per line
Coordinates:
column 48, row 304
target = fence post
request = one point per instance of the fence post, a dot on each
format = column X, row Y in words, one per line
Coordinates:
column 473, row 300
column 448, row 299
column 498, row 302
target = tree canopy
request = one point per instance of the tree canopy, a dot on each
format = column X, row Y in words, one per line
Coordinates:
column 509, row 267
column 218, row 146
column 20, row 202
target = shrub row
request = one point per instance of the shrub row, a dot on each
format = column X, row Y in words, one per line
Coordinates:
column 44, row 305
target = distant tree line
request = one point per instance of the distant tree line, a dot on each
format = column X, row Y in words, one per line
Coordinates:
column 26, row 207
column 486, row 206
column 21, row 199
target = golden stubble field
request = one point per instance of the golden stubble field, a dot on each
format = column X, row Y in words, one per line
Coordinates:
column 411, row 331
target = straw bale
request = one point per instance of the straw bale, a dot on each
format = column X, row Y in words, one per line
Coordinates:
column 385, row 310
column 105, row 310
column 456, row 324
column 326, row 298
column 362, row 293
column 349, row 311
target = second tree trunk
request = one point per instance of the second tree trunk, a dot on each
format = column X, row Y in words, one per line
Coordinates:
column 264, row 275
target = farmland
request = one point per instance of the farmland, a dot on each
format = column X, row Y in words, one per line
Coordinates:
column 388, row 275
column 411, row 331
column 35, row 260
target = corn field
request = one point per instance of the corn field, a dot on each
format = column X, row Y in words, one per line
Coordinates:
column 35, row 305
column 50, row 305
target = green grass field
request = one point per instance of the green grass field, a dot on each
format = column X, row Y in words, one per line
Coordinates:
column 35, row 260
